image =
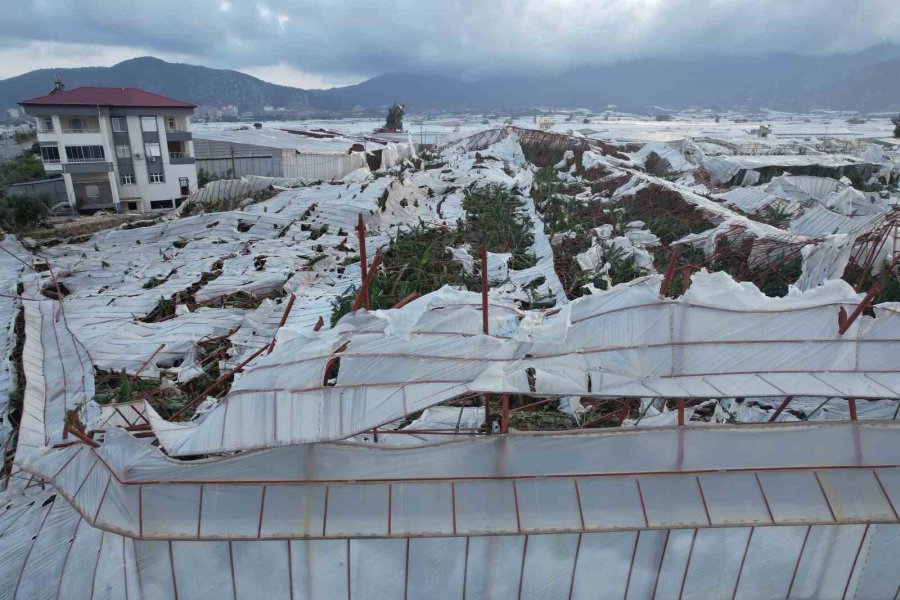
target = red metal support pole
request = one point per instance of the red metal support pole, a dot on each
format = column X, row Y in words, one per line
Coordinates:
column 852, row 404
column 284, row 316
column 85, row 439
column 484, row 291
column 686, row 279
column 533, row 404
column 670, row 271
column 504, row 414
column 844, row 322
column 681, row 412
column 147, row 362
column 780, row 408
column 621, row 413
column 370, row 275
column 361, row 234
column 202, row 395
column 406, row 300
column 319, row 324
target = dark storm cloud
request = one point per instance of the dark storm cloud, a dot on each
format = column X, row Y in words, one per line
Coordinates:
column 465, row 37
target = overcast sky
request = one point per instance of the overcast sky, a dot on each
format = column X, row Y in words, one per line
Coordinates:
column 327, row 43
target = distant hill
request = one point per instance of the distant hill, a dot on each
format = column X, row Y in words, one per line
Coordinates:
column 200, row 85
column 866, row 81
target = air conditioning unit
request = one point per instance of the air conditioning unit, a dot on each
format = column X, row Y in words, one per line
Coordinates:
column 137, row 156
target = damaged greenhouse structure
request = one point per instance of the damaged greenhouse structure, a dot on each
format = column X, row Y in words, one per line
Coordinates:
column 522, row 365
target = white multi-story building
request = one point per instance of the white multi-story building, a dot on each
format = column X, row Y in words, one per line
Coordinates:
column 118, row 149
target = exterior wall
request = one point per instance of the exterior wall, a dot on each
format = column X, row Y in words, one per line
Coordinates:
column 325, row 167
column 235, row 160
column 54, row 188
column 232, row 161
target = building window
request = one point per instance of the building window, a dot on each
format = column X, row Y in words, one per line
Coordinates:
column 48, row 124
column 76, row 124
column 123, row 151
column 156, row 178
column 185, row 185
column 127, row 178
column 50, row 153
column 152, row 151
column 148, row 123
column 85, row 153
column 119, row 124
column 158, row 204
column 132, row 206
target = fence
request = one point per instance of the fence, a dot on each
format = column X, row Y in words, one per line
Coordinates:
column 54, row 188
column 235, row 167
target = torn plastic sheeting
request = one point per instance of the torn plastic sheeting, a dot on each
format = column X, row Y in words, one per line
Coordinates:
column 673, row 157
column 13, row 258
column 498, row 268
column 59, row 376
column 227, row 189
column 134, row 343
column 826, row 260
column 723, row 169
column 394, row 154
column 721, row 339
column 463, row 419
column 820, row 221
column 748, row 199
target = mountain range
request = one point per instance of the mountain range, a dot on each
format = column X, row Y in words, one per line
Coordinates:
column 868, row 81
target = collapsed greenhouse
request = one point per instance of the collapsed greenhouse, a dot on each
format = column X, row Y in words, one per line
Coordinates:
column 525, row 365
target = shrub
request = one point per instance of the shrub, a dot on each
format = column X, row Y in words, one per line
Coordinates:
column 22, row 211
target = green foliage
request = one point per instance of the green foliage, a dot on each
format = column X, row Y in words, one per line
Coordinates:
column 204, row 177
column 26, row 167
column 318, row 232
column 22, row 137
column 20, row 212
column 417, row 260
column 342, row 304
column 493, row 220
column 776, row 216
column 395, row 118
column 153, row 282
column 890, row 285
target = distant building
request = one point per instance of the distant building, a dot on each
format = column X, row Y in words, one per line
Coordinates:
column 317, row 155
column 118, row 149
column 13, row 113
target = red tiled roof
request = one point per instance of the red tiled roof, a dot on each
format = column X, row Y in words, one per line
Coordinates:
column 103, row 96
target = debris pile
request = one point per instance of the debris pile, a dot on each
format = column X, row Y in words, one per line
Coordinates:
column 525, row 355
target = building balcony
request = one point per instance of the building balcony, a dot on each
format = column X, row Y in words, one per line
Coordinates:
column 45, row 130
column 178, row 136
column 87, row 165
column 81, row 130
column 180, row 158
column 177, row 128
column 86, row 160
